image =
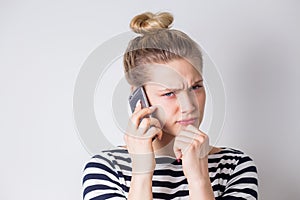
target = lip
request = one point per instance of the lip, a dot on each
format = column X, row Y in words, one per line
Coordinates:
column 187, row 121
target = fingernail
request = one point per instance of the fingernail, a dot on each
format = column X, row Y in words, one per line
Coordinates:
column 138, row 103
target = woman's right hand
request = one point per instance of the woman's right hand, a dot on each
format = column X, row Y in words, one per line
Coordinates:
column 141, row 131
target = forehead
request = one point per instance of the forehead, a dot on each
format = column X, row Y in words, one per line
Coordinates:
column 175, row 74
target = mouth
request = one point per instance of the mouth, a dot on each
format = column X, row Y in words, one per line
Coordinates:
column 187, row 121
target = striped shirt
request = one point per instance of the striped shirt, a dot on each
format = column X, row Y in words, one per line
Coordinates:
column 233, row 175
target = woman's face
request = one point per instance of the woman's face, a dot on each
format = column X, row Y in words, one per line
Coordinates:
column 177, row 90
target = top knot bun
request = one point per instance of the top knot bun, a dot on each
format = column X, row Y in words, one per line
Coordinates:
column 149, row 22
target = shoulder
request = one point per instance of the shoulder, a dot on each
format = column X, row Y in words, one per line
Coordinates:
column 227, row 153
column 244, row 164
column 241, row 172
column 101, row 176
column 241, row 157
column 108, row 159
column 236, row 172
column 234, row 163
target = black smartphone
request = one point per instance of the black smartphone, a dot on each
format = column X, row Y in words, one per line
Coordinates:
column 138, row 94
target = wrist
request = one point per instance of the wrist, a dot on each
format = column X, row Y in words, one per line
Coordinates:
column 198, row 171
column 199, row 182
column 143, row 163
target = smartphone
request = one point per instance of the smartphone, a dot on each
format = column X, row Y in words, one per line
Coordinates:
column 138, row 94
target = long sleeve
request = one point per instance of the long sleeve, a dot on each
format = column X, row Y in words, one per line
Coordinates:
column 243, row 181
column 100, row 180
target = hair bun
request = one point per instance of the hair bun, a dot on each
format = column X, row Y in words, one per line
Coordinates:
column 149, row 22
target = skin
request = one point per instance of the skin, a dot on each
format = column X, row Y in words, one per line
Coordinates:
column 175, row 93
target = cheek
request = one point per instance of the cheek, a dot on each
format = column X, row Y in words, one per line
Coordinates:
column 170, row 105
column 166, row 110
column 202, row 101
column 201, row 98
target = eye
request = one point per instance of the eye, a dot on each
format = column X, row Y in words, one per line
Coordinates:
column 195, row 87
column 169, row 94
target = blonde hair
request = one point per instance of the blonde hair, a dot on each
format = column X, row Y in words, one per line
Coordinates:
column 158, row 43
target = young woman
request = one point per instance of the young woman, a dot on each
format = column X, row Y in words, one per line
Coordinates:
column 166, row 155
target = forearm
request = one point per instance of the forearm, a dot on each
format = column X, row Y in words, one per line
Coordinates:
column 199, row 183
column 201, row 189
column 141, row 187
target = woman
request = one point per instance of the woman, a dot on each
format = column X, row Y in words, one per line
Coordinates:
column 166, row 156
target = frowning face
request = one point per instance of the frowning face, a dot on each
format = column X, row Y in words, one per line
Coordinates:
column 177, row 89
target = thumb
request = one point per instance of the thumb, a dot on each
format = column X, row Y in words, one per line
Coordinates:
column 178, row 154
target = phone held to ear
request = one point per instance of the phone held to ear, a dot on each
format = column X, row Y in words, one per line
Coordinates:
column 138, row 94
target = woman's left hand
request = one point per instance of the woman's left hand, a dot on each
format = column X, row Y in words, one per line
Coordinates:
column 192, row 146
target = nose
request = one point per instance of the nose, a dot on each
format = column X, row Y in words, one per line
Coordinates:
column 186, row 102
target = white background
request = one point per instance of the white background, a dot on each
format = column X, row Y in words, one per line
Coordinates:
column 43, row 44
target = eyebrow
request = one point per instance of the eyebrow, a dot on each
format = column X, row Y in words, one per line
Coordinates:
column 197, row 82
column 177, row 89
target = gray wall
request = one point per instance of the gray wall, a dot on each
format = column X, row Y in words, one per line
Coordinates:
column 44, row 43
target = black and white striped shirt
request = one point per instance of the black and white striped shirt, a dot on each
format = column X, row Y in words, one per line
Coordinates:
column 233, row 175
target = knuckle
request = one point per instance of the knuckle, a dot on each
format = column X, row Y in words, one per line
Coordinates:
column 205, row 136
column 201, row 138
column 194, row 144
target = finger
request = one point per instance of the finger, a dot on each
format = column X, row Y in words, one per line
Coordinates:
column 186, row 133
column 160, row 135
column 177, row 148
column 203, row 140
column 194, row 129
column 132, row 124
column 193, row 139
column 178, row 153
column 143, row 126
column 182, row 145
column 138, row 106
column 184, row 138
column 182, row 142
column 155, row 122
column 187, row 139
column 148, row 122
column 137, row 116
column 151, row 133
column 198, row 135
column 154, row 132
